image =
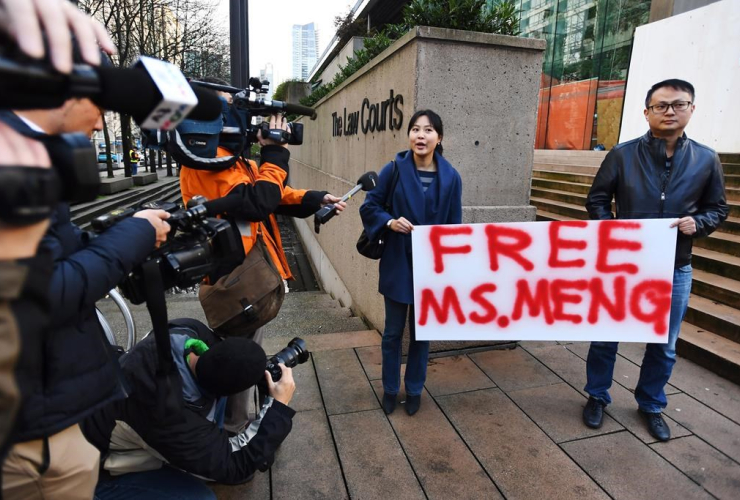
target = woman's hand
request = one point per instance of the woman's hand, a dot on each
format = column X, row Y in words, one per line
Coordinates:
column 338, row 203
column 401, row 225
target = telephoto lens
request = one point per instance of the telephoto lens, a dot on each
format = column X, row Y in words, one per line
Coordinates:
column 295, row 354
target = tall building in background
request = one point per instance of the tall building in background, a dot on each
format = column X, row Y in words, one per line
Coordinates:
column 305, row 49
column 268, row 74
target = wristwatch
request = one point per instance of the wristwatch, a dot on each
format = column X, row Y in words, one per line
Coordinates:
column 388, row 224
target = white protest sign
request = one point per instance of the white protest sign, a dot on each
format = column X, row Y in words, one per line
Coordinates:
column 565, row 280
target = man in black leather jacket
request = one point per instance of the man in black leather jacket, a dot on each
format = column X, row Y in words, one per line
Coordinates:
column 662, row 174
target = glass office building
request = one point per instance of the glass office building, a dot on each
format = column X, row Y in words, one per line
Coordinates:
column 584, row 72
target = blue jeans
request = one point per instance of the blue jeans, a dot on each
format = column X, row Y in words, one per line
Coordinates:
column 416, row 366
column 165, row 484
column 658, row 362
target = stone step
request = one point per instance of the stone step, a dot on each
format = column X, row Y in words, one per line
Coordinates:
column 573, row 187
column 720, row 242
column 716, row 353
column 168, row 192
column 732, row 180
column 566, row 167
column 564, row 176
column 314, row 323
column 731, row 168
column 729, row 157
column 121, row 197
column 577, row 199
column 716, row 287
column 299, row 301
column 559, row 208
column 716, row 263
column 717, row 318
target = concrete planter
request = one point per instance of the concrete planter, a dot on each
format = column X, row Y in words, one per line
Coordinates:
column 115, row 185
column 485, row 89
column 144, row 179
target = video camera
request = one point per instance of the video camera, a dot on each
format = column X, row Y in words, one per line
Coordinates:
column 195, row 142
column 196, row 246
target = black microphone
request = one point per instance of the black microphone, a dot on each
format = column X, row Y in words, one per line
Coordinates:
column 34, row 85
column 366, row 182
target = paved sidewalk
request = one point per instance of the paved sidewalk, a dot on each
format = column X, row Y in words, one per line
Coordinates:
column 496, row 424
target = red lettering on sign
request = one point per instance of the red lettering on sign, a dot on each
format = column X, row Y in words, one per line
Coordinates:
column 435, row 238
column 449, row 301
column 539, row 302
column 608, row 244
column 658, row 293
column 560, row 298
column 503, row 321
column 477, row 296
column 557, row 243
column 616, row 309
column 497, row 244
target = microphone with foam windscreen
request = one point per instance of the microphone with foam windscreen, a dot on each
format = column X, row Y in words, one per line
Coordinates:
column 366, row 182
column 131, row 91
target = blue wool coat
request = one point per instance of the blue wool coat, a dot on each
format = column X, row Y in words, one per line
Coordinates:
column 441, row 204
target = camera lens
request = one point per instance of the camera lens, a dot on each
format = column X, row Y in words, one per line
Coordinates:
column 294, row 354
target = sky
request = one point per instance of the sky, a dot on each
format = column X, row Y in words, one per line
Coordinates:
column 270, row 29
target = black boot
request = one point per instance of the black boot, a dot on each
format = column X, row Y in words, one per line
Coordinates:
column 412, row 404
column 389, row 403
column 593, row 413
column 657, row 427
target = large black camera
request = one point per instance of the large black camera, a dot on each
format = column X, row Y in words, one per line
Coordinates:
column 196, row 247
column 294, row 354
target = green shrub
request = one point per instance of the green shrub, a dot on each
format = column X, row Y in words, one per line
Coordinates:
column 499, row 17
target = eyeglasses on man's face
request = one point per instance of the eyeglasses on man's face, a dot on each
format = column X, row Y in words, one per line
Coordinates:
column 659, row 109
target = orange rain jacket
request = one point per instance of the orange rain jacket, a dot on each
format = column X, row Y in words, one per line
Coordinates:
column 251, row 196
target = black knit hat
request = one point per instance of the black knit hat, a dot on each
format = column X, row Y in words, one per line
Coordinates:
column 231, row 366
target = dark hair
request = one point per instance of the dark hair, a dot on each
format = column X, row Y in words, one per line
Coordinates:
column 231, row 366
column 434, row 119
column 673, row 83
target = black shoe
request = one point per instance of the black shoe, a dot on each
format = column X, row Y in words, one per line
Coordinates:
column 593, row 413
column 389, row 403
column 657, row 427
column 412, row 404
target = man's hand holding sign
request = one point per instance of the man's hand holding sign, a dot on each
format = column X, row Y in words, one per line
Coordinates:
column 568, row 280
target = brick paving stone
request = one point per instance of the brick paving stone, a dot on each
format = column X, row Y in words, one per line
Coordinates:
column 256, row 489
column 372, row 459
column 628, row 469
column 343, row 382
column 520, row 458
column 371, row 359
column 514, row 369
column 566, row 364
column 535, row 344
column 306, row 465
column 307, row 395
column 718, row 474
column 444, row 465
column 719, row 393
column 715, row 429
column 453, row 374
column 556, row 409
column 624, row 410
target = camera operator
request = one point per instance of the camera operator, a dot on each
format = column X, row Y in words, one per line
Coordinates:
column 69, row 370
column 24, row 276
column 252, row 196
column 146, row 450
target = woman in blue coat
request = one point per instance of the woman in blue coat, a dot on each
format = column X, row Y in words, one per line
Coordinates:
column 428, row 191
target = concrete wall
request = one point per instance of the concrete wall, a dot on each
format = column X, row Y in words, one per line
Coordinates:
column 355, row 43
column 485, row 89
column 295, row 91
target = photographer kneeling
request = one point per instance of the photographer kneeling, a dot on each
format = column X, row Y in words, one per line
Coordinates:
column 142, row 453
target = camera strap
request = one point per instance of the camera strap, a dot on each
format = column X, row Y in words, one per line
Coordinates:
column 169, row 403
